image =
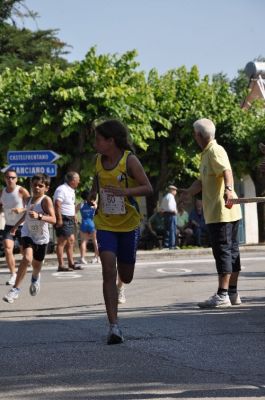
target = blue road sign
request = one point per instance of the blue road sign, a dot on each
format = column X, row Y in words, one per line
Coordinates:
column 32, row 156
column 28, row 170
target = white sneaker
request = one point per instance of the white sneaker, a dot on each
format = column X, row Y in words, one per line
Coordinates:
column 121, row 295
column 216, row 301
column 35, row 287
column 11, row 295
column 94, row 260
column 115, row 335
column 11, row 281
column 235, row 299
column 83, row 261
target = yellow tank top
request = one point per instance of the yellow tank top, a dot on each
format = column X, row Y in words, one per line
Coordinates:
column 115, row 213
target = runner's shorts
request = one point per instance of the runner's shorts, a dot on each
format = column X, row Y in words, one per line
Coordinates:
column 122, row 244
column 7, row 235
column 87, row 226
column 39, row 250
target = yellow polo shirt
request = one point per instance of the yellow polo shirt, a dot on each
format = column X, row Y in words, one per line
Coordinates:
column 214, row 161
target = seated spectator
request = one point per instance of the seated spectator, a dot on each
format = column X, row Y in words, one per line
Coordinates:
column 184, row 232
column 197, row 223
column 156, row 226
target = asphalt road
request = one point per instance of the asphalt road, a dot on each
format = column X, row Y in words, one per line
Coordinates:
column 53, row 346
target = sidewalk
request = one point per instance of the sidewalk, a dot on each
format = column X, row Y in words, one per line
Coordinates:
column 155, row 253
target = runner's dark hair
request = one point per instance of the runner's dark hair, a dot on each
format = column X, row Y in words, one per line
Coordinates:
column 10, row 170
column 43, row 178
column 117, row 130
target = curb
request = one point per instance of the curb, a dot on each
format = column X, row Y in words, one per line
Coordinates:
column 156, row 253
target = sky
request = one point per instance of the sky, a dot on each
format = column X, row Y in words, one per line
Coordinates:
column 216, row 35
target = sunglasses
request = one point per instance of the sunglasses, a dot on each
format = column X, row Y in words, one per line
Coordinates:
column 11, row 177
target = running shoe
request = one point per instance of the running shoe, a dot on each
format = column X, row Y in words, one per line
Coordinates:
column 83, row 261
column 216, row 301
column 235, row 299
column 11, row 281
column 76, row 267
column 115, row 335
column 11, row 295
column 95, row 260
column 121, row 295
column 34, row 286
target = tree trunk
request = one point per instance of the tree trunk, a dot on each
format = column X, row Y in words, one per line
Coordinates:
column 159, row 183
column 79, row 145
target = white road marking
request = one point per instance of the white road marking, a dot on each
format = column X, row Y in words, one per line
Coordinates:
column 193, row 261
column 178, row 271
column 183, row 261
column 67, row 275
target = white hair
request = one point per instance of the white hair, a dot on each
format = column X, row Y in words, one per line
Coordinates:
column 71, row 176
column 206, row 128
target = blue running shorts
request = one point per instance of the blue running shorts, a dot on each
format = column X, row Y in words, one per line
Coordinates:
column 87, row 226
column 122, row 244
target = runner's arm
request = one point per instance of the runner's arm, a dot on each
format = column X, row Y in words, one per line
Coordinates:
column 48, row 209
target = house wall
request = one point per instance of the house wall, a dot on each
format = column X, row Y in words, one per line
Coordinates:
column 251, row 215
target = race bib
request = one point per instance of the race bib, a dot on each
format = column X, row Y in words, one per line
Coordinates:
column 35, row 227
column 112, row 204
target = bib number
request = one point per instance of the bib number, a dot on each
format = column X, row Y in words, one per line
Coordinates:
column 111, row 204
column 34, row 227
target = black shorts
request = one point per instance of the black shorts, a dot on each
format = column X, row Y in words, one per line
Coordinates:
column 68, row 227
column 7, row 235
column 39, row 250
column 225, row 246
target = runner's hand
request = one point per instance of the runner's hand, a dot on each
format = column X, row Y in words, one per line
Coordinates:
column 115, row 191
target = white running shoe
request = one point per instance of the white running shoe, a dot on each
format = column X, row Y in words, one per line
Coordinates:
column 235, row 299
column 216, row 301
column 35, row 287
column 11, row 281
column 121, row 295
column 115, row 335
column 95, row 260
column 11, row 295
column 83, row 261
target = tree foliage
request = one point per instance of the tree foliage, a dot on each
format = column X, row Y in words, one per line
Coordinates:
column 54, row 108
column 49, row 107
column 20, row 47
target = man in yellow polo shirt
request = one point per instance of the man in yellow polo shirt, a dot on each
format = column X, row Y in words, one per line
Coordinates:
column 217, row 186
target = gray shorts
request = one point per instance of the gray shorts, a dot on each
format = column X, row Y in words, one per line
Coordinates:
column 68, row 227
column 7, row 235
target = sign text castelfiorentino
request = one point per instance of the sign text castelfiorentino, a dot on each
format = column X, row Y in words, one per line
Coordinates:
column 30, row 162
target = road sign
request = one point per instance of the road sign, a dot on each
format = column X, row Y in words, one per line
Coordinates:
column 28, row 170
column 32, row 156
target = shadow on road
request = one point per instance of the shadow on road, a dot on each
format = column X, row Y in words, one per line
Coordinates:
column 171, row 352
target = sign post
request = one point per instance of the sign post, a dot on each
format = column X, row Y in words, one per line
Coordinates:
column 30, row 162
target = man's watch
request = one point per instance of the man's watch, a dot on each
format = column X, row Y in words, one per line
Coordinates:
column 40, row 216
column 229, row 188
